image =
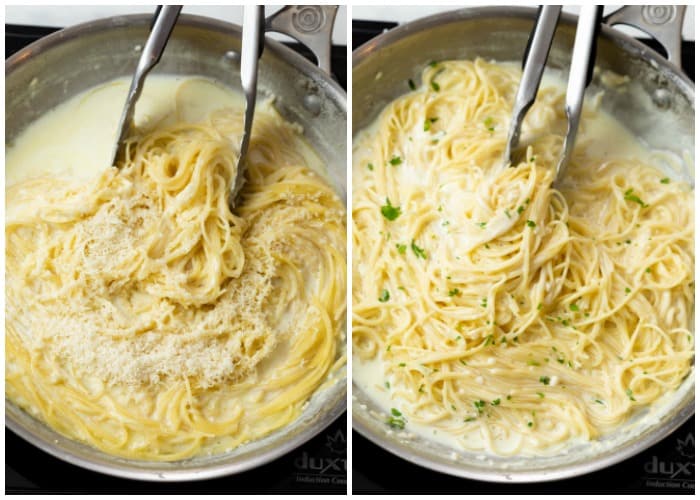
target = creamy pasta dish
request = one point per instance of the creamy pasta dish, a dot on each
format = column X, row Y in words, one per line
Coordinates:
column 494, row 309
column 145, row 318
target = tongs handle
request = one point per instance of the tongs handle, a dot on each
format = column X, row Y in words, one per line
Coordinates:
column 163, row 24
column 580, row 75
column 252, row 45
column 534, row 60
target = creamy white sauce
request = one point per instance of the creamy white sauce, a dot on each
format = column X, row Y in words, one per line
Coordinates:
column 78, row 136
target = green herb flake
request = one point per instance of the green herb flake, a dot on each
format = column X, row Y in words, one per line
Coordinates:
column 529, row 424
column 599, row 401
column 507, row 213
column 573, row 307
column 402, row 365
column 531, row 223
column 479, row 405
column 521, row 209
column 630, row 196
column 532, row 362
column 482, row 225
column 496, row 402
column 665, row 180
column 396, row 420
column 435, row 85
column 401, row 248
column 396, row 160
column 539, row 306
column 469, row 419
column 411, row 84
column 627, row 290
column 545, row 379
column 508, row 397
column 433, row 64
column 386, row 384
column 370, row 166
column 453, row 292
column 420, row 389
column 647, row 270
column 540, row 394
column 384, row 297
column 630, row 394
column 390, row 212
column 418, row 251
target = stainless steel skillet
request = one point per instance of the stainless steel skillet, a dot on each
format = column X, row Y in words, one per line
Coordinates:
column 57, row 67
column 657, row 105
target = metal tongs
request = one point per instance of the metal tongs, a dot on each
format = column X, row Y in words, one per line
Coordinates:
column 252, row 45
column 580, row 74
column 163, row 22
column 251, row 49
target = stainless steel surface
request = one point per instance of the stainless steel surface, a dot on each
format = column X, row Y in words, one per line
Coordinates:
column 66, row 63
column 311, row 25
column 251, row 47
column 657, row 104
column 165, row 19
column 663, row 22
column 536, row 54
column 581, row 60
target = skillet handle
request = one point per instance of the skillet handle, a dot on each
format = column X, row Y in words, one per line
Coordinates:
column 310, row 25
column 664, row 23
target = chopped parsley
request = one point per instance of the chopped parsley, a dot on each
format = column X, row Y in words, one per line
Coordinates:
column 630, row 394
column 627, row 289
column 531, row 223
column 479, row 405
column 484, row 302
column 420, row 389
column 401, row 248
column 396, row 160
column 496, row 402
column 647, row 270
column 411, row 85
column 396, row 419
column 507, row 213
column 482, row 225
column 384, row 297
column 435, row 85
column 630, row 196
column 573, row 307
column 428, row 122
column 386, row 384
column 529, row 424
column 418, row 251
column 521, row 209
column 532, row 362
column 544, row 379
column 488, row 123
column 539, row 306
column 665, row 180
column 469, row 419
column 370, row 166
column 433, row 64
column 540, row 394
column 389, row 211
column 402, row 365
column 453, row 292
column 599, row 401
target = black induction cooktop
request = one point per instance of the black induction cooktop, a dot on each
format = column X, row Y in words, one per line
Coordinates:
column 318, row 466
column 666, row 468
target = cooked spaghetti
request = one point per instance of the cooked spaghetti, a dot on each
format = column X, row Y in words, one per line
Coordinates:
column 146, row 319
column 490, row 307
